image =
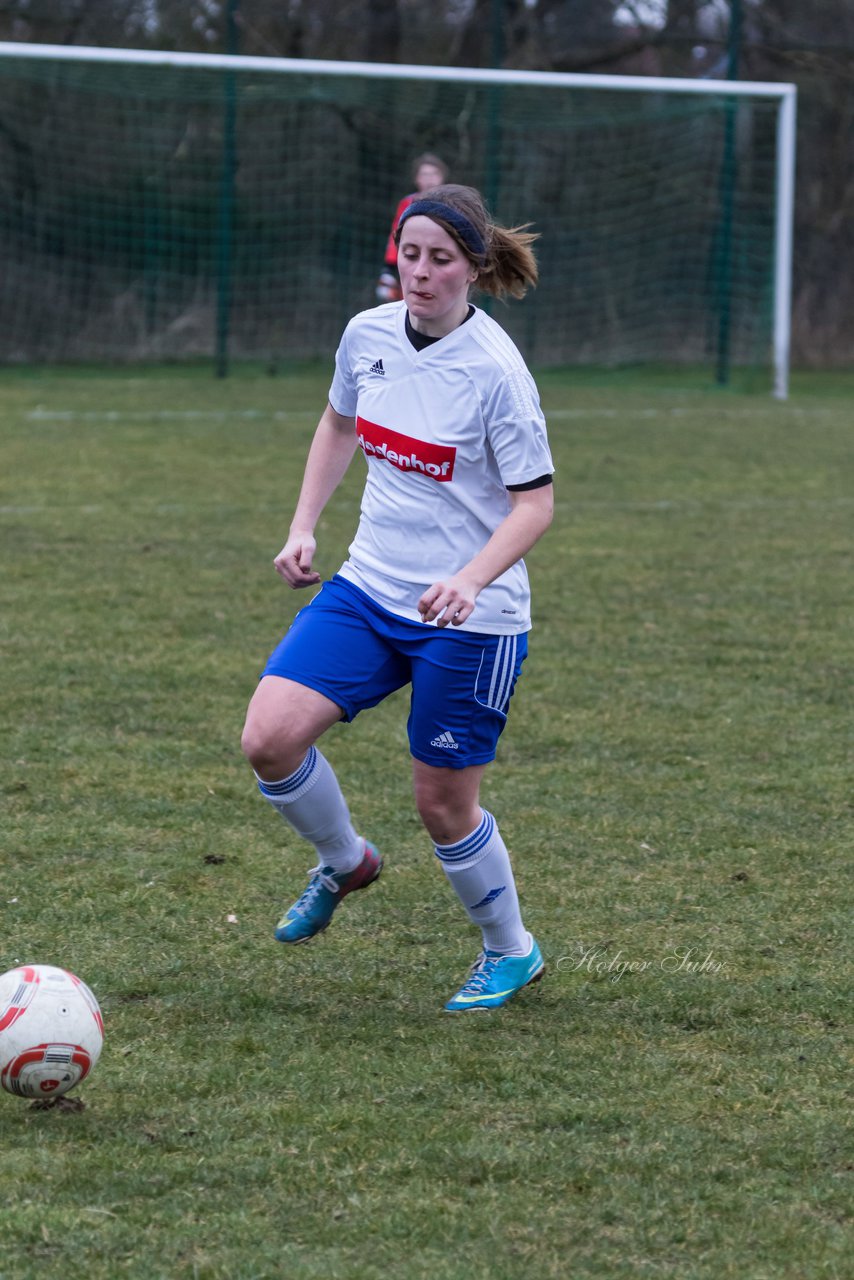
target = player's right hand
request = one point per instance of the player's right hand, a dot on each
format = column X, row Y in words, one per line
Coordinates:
column 294, row 561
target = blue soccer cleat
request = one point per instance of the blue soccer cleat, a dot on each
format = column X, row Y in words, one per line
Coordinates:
column 312, row 912
column 495, row 979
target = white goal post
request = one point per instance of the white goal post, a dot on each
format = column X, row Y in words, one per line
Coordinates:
column 782, row 96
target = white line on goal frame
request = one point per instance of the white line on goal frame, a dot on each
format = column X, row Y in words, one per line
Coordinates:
column 785, row 95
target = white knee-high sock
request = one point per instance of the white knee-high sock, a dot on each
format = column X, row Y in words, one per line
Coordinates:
column 312, row 802
column 479, row 871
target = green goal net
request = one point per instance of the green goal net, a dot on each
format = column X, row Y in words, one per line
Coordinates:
column 167, row 207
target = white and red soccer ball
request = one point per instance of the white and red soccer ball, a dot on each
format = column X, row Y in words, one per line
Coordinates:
column 51, row 1031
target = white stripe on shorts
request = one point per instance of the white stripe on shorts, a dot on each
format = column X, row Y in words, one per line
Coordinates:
column 501, row 683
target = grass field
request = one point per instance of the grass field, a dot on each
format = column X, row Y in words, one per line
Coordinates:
column 675, row 787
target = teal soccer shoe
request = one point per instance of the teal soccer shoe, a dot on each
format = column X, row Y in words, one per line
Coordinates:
column 495, row 979
column 313, row 910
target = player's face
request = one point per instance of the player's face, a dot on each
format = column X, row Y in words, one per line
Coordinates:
column 435, row 276
column 428, row 176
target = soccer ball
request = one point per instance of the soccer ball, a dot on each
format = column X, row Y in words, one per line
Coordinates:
column 51, row 1031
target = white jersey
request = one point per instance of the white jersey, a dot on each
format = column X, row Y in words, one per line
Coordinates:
column 444, row 430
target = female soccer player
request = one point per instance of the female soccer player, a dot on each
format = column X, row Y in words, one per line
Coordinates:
column 434, row 593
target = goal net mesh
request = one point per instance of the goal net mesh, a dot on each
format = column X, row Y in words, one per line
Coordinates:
column 150, row 212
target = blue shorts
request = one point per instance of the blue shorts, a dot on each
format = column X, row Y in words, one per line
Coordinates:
column 348, row 648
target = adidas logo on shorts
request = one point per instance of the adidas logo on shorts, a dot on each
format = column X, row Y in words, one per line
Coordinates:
column 447, row 741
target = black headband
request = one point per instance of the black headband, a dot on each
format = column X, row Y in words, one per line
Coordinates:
column 466, row 230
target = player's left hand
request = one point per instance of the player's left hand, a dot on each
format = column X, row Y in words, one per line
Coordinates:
column 447, row 603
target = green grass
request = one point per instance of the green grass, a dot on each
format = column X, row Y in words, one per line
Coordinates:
column 674, row 785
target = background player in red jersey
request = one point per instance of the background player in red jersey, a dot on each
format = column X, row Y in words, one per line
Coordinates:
column 427, row 171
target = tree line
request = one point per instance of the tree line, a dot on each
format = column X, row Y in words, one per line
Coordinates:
column 776, row 40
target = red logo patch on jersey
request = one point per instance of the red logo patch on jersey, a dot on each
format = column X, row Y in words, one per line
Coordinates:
column 406, row 452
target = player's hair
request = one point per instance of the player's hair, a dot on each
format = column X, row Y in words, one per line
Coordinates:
column 429, row 158
column 507, row 264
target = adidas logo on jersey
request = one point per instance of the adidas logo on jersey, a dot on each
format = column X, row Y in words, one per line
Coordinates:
column 377, row 367
column 447, row 741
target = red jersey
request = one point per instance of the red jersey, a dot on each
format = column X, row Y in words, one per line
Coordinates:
column 391, row 248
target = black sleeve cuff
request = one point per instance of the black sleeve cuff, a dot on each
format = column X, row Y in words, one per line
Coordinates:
column 539, row 483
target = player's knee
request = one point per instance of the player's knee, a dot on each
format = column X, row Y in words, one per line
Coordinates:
column 274, row 750
column 254, row 744
column 443, row 815
column 263, row 748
